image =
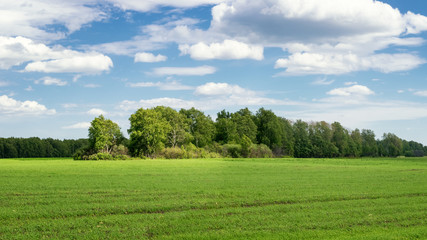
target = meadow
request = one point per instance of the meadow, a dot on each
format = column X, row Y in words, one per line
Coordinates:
column 214, row 199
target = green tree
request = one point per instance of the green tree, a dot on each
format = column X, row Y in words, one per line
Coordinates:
column 202, row 127
column 148, row 132
column 369, row 144
column 104, row 134
column 179, row 133
column 245, row 125
column 270, row 131
column 302, row 146
column 320, row 134
column 340, row 139
column 287, row 136
column 392, row 145
column 226, row 129
column 356, row 137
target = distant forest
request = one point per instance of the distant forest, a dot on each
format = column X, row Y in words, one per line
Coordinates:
column 163, row 132
column 39, row 148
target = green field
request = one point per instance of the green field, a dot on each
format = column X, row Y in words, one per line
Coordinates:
column 214, row 199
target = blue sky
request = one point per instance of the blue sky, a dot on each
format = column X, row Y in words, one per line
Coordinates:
column 362, row 63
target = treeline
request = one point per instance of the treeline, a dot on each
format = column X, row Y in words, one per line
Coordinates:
column 163, row 132
column 35, row 147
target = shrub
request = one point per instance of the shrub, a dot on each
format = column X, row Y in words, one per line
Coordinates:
column 232, row 150
column 173, row 153
column 260, row 151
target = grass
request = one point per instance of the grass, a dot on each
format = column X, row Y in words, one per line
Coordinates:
column 214, row 199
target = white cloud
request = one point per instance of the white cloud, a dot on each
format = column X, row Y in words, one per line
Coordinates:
column 350, row 83
column 184, row 71
column 149, row 103
column 91, row 63
column 10, row 106
column 15, row 51
column 147, row 5
column 80, row 125
column 323, row 81
column 324, row 37
column 51, row 81
column 96, row 112
column 167, row 86
column 211, row 96
column 326, row 63
column 29, row 89
column 32, row 19
column 229, row 49
column 218, row 89
column 149, row 57
column 357, row 90
column 421, row 93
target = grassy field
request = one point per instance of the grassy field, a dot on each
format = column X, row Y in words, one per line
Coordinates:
column 214, row 199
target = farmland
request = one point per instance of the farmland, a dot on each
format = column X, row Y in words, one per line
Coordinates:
column 214, row 199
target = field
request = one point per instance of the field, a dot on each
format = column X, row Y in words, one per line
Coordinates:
column 214, row 199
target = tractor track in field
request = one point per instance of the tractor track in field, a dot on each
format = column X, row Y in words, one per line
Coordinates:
column 218, row 207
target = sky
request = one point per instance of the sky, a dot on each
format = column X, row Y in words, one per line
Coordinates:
column 362, row 63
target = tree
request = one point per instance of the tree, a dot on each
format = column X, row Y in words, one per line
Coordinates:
column 270, row 131
column 340, row 139
column 104, row 134
column 245, row 125
column 320, row 134
column 369, row 144
column 148, row 132
column 392, row 145
column 179, row 133
column 226, row 129
column 288, row 138
column 202, row 127
column 356, row 148
column 302, row 146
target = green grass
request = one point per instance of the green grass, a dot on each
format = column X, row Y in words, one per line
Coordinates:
column 214, row 199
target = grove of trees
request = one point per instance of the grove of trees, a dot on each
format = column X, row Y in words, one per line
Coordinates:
column 166, row 133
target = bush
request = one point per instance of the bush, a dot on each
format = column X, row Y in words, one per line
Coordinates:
column 232, row 150
column 260, row 151
column 173, row 153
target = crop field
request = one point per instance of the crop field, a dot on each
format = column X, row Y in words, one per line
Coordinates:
column 214, row 199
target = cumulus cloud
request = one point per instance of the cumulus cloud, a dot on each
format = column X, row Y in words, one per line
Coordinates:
column 80, row 125
column 229, row 49
column 96, row 112
column 167, row 86
column 357, row 90
column 15, row 51
column 51, row 81
column 90, row 63
column 184, row 71
column 10, row 106
column 324, row 37
column 29, row 19
column 218, row 89
column 149, row 57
